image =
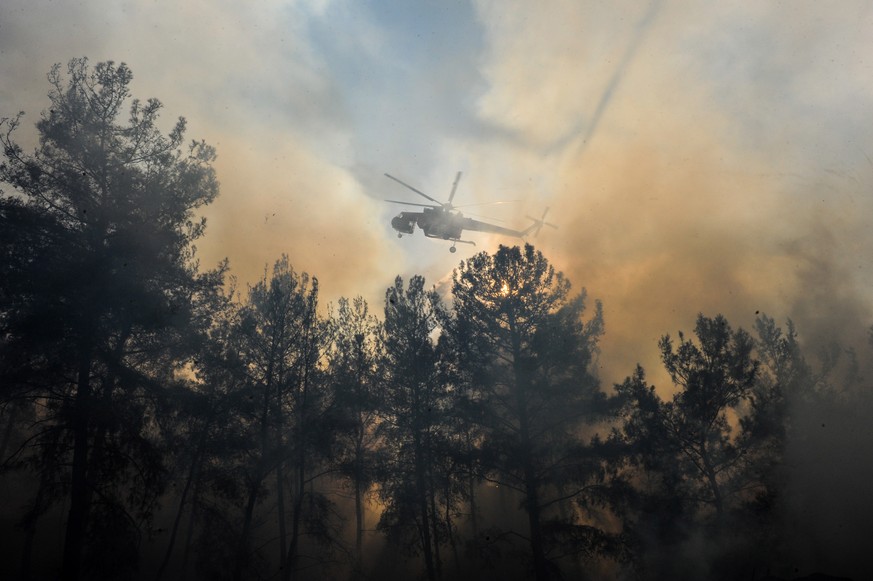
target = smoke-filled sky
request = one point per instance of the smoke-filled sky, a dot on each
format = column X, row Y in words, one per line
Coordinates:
column 696, row 156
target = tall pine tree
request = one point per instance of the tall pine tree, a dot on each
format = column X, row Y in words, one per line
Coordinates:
column 528, row 352
column 100, row 293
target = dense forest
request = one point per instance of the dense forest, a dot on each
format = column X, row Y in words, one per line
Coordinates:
column 156, row 422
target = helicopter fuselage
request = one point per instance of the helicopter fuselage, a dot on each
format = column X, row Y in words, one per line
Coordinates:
column 434, row 222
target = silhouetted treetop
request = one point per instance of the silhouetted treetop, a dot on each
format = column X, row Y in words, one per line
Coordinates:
column 517, row 285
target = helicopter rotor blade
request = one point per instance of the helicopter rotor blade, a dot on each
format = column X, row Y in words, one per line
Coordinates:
column 419, row 192
column 412, row 204
column 500, row 203
column 454, row 188
column 486, row 218
column 538, row 221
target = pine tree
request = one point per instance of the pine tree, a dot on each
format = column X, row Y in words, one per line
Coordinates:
column 412, row 408
column 528, row 353
column 101, row 294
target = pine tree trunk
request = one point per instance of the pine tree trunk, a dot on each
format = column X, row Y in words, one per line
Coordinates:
column 471, row 487
column 541, row 569
column 300, row 468
column 531, row 483
column 189, row 535
column 243, row 545
column 77, row 519
column 451, row 535
column 189, row 481
column 300, row 486
column 261, row 472
column 421, row 492
column 30, row 526
column 39, row 507
column 359, row 525
column 280, row 506
column 471, row 484
column 438, row 562
column 532, row 504
column 7, row 432
column 712, row 482
column 280, row 476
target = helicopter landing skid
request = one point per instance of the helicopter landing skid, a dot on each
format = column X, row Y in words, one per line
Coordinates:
column 453, row 249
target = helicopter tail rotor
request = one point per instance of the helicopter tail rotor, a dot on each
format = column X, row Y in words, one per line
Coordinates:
column 538, row 223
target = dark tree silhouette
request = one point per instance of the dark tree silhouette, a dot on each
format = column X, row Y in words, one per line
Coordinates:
column 702, row 453
column 528, row 352
column 412, row 407
column 100, row 292
column 282, row 343
column 205, row 428
column 812, row 407
column 356, row 375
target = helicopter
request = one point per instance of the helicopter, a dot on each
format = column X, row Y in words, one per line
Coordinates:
column 441, row 220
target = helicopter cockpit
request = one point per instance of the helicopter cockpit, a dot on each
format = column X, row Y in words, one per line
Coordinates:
column 403, row 223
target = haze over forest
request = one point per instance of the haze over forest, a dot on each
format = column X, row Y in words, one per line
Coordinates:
column 710, row 169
